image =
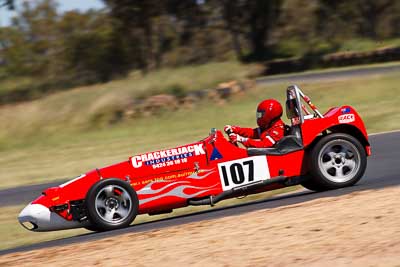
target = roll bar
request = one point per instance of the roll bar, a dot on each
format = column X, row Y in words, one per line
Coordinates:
column 294, row 92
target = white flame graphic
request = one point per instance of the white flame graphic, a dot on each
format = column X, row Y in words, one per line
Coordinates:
column 195, row 175
column 178, row 188
column 178, row 192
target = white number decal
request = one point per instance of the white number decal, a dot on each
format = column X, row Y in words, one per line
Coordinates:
column 243, row 171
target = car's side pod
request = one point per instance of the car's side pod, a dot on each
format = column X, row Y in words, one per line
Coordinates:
column 246, row 189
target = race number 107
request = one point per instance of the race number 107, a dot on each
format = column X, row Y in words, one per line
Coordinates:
column 244, row 171
column 236, row 173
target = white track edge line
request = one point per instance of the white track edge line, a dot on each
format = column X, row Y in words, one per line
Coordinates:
column 387, row 132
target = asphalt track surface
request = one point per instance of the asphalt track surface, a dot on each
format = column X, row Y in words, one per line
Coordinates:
column 328, row 75
column 382, row 171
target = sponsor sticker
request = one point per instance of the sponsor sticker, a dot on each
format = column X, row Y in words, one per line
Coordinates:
column 168, row 157
column 345, row 110
column 215, row 155
column 346, row 118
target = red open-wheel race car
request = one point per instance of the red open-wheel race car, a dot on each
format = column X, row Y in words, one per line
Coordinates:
column 319, row 151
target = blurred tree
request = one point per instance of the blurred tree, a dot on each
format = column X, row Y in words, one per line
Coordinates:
column 33, row 37
column 262, row 18
column 134, row 22
column 7, row 3
column 372, row 12
column 89, row 51
column 199, row 31
column 175, row 31
column 336, row 20
column 234, row 18
column 372, row 19
column 13, row 52
column 297, row 20
column 73, row 48
column 255, row 20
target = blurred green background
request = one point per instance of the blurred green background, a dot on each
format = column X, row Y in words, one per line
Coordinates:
column 45, row 48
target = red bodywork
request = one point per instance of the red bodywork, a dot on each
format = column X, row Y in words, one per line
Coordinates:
column 167, row 179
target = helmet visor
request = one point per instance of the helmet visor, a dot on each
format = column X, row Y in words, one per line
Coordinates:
column 260, row 114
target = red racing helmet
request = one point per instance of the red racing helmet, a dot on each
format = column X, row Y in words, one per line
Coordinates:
column 268, row 111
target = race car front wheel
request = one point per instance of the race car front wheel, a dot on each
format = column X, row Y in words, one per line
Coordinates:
column 337, row 160
column 111, row 204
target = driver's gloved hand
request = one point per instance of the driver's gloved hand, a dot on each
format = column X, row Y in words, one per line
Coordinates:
column 237, row 138
column 229, row 129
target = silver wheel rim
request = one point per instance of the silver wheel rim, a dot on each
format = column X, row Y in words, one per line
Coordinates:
column 339, row 161
column 113, row 204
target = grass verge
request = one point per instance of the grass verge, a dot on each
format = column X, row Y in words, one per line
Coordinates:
column 135, row 85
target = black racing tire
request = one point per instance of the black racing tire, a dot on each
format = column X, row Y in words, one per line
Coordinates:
column 92, row 228
column 337, row 160
column 111, row 204
column 309, row 184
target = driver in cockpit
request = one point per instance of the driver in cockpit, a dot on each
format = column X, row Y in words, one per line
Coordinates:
column 270, row 129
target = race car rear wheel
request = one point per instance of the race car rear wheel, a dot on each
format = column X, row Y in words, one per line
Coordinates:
column 91, row 227
column 111, row 204
column 310, row 184
column 337, row 160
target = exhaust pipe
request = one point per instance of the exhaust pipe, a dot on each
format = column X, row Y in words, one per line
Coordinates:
column 212, row 200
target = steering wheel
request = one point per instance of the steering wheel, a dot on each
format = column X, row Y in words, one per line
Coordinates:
column 228, row 132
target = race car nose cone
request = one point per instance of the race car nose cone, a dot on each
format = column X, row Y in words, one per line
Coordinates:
column 35, row 217
column 38, row 218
